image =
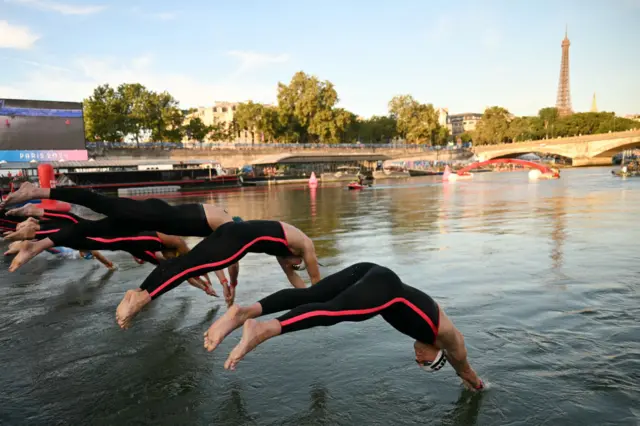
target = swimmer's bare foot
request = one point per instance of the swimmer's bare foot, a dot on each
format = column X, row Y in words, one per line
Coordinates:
column 14, row 248
column 232, row 319
column 24, row 233
column 132, row 303
column 253, row 333
column 26, row 210
column 25, row 253
column 27, row 222
column 26, row 192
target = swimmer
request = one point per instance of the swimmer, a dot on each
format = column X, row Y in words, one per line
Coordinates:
column 357, row 293
column 197, row 220
column 153, row 247
column 67, row 253
column 35, row 214
column 227, row 245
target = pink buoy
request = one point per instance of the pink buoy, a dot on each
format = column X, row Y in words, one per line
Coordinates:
column 447, row 172
column 313, row 181
column 47, row 179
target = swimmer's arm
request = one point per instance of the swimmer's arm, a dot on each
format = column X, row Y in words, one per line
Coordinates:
column 234, row 271
column 174, row 242
column 291, row 274
column 311, row 262
column 100, row 258
column 456, row 352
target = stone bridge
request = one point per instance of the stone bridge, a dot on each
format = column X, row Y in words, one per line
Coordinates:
column 592, row 150
column 238, row 157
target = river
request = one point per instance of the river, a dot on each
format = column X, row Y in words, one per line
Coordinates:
column 541, row 277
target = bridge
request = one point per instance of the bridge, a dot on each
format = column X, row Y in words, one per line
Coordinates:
column 591, row 150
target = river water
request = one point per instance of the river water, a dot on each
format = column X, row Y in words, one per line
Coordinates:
column 541, row 278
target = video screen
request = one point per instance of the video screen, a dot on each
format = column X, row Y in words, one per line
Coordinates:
column 41, row 125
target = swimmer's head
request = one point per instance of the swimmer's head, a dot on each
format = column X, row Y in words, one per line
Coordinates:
column 429, row 357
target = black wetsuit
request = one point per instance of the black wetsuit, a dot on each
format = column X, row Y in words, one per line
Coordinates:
column 104, row 234
column 141, row 215
column 226, row 246
column 357, row 293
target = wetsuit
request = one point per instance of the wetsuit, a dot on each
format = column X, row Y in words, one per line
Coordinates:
column 357, row 293
column 141, row 215
column 105, row 235
column 226, row 246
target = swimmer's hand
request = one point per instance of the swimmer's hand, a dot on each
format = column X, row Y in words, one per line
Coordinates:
column 202, row 285
column 112, row 266
column 477, row 387
column 229, row 292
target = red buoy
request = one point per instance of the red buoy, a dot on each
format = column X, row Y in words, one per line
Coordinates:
column 47, row 179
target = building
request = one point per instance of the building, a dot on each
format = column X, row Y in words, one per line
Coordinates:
column 443, row 117
column 635, row 117
column 219, row 113
column 461, row 123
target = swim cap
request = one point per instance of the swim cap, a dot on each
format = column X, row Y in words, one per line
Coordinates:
column 87, row 256
column 431, row 366
column 237, row 219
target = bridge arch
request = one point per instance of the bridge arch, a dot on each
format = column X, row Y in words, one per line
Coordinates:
column 512, row 150
column 525, row 163
column 613, row 149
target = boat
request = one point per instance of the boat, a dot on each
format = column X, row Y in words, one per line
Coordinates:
column 624, row 174
column 109, row 176
column 391, row 172
column 625, row 171
column 418, row 172
column 343, row 173
column 356, row 185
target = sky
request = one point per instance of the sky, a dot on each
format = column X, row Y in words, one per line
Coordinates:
column 458, row 54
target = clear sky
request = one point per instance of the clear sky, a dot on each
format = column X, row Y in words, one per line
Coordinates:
column 460, row 54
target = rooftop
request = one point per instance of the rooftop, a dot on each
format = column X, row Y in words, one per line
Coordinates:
column 316, row 158
column 100, row 163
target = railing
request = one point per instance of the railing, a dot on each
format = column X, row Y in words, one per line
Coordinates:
column 281, row 146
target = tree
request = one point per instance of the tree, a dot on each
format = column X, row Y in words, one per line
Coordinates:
column 415, row 121
column 493, row 127
column 163, row 118
column 103, row 115
column 442, row 136
column 466, row 137
column 377, row 129
column 305, row 109
column 135, row 101
column 196, row 130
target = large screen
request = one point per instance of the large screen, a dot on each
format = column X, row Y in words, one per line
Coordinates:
column 41, row 130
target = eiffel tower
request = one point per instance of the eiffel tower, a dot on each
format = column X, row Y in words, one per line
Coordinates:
column 563, row 102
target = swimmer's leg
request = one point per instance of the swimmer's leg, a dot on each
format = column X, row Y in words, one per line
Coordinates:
column 26, row 192
column 217, row 251
column 142, row 215
column 325, row 290
column 29, row 250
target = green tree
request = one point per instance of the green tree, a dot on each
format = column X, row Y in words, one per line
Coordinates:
column 196, row 130
column 305, row 108
column 163, row 118
column 417, row 122
column 103, row 115
column 136, row 120
column 493, row 127
column 442, row 137
column 466, row 137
